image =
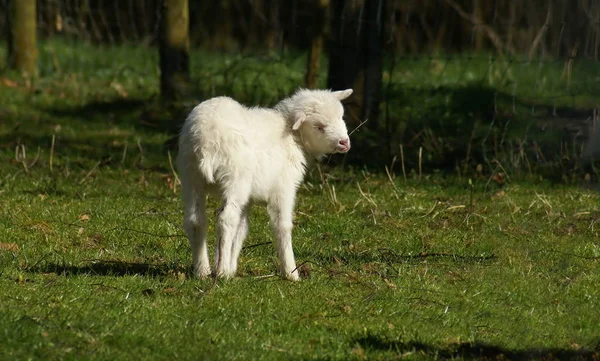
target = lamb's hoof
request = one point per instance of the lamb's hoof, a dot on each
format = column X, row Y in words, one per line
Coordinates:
column 224, row 275
column 201, row 272
column 292, row 276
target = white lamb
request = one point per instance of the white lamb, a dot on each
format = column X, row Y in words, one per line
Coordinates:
column 253, row 154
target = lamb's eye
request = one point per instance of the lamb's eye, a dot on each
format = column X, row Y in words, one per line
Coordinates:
column 320, row 127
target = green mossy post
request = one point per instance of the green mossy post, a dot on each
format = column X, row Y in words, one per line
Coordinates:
column 174, row 50
column 22, row 37
column 356, row 56
column 316, row 47
column 356, row 61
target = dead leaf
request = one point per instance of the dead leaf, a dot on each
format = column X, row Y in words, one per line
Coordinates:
column 119, row 89
column 498, row 194
column 499, row 178
column 359, row 352
column 9, row 83
column 10, row 247
column 389, row 284
column 169, row 290
column 371, row 267
column 84, row 217
column 304, row 271
column 42, row 227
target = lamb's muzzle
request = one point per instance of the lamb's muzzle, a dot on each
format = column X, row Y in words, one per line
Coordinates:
column 245, row 154
column 343, row 145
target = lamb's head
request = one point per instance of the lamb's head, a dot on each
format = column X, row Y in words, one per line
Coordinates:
column 317, row 116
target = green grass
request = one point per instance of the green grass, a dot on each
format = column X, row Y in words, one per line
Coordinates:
column 101, row 272
column 94, row 264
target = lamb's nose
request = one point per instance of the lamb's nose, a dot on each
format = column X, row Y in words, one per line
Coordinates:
column 345, row 143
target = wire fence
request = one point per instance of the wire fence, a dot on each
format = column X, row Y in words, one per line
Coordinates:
column 505, row 73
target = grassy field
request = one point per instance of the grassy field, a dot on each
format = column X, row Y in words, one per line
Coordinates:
column 94, row 266
column 94, row 263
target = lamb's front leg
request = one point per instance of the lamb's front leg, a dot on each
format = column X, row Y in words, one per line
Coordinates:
column 280, row 212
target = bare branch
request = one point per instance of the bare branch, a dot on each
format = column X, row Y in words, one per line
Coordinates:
column 494, row 37
column 541, row 32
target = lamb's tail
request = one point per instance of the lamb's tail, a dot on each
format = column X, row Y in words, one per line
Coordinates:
column 200, row 158
column 208, row 168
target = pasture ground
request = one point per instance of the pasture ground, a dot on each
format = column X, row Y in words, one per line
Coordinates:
column 94, row 264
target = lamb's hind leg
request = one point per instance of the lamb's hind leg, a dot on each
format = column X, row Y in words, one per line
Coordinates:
column 238, row 241
column 230, row 218
column 195, row 227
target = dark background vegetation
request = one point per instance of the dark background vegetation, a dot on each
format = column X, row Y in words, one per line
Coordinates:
column 463, row 83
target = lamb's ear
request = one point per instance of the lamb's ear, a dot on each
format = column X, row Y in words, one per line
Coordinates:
column 298, row 118
column 342, row 94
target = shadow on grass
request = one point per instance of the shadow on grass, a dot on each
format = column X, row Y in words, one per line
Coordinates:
column 390, row 257
column 471, row 351
column 89, row 146
column 145, row 114
column 470, row 122
column 111, row 268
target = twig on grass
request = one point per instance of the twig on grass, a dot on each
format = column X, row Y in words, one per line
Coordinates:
column 21, row 157
column 44, row 257
column 124, row 154
column 391, row 182
column 592, row 258
column 388, row 262
column 402, row 160
column 302, row 264
column 90, row 172
column 431, row 210
column 365, row 196
column 177, row 180
column 37, row 156
column 149, row 233
column 52, row 151
column 373, row 215
column 420, row 162
column 256, row 245
column 263, row 277
column 504, row 170
column 139, row 144
column 436, row 254
column 544, row 200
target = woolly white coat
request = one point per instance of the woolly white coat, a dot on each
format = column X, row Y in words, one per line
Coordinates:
column 253, row 154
